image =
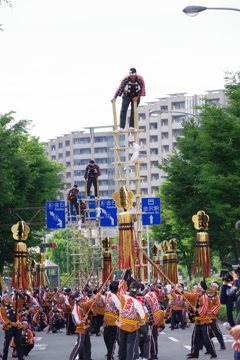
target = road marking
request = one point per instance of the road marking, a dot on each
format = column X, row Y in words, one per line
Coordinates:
column 40, row 347
column 163, row 333
column 187, row 347
column 173, row 339
column 38, row 338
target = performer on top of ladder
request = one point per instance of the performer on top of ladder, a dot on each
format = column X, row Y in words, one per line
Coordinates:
column 131, row 89
column 92, row 172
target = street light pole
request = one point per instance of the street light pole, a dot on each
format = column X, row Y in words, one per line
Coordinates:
column 194, row 10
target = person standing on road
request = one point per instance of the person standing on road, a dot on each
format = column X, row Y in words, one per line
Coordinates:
column 13, row 328
column 131, row 88
column 214, row 307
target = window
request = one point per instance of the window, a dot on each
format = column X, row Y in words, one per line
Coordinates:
column 213, row 101
column 67, row 143
column 177, row 132
column 100, row 138
column 164, row 108
column 60, row 156
column 178, row 105
column 68, row 163
column 144, row 191
column 68, row 153
column 79, row 183
column 154, row 177
column 177, row 119
column 165, row 148
column 164, row 122
column 54, row 157
column 85, row 140
column 143, row 142
column 100, row 150
column 102, row 161
column 61, row 197
column 122, row 158
column 175, row 145
column 81, row 151
column 154, row 189
column 153, row 138
column 53, row 147
column 68, row 175
column 141, row 116
column 84, row 162
column 142, row 128
column 60, row 145
column 104, row 171
column 153, row 126
column 164, row 135
column 154, row 163
column 77, row 162
column 143, row 167
column 144, row 180
column 153, row 151
column 103, row 193
column 103, row 182
column 143, row 153
column 77, row 172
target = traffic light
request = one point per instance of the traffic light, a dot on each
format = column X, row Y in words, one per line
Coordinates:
column 43, row 246
column 115, row 247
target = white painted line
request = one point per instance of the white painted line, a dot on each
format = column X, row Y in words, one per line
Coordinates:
column 38, row 338
column 163, row 333
column 173, row 339
column 42, row 348
column 230, row 340
column 187, row 347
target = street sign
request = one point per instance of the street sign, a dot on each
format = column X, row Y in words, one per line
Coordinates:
column 55, row 211
column 151, row 207
column 108, row 212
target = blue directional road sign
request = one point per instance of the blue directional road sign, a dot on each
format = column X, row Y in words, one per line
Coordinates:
column 108, row 212
column 151, row 207
column 55, row 211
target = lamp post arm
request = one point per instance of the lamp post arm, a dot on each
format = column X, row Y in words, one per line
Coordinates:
column 223, row 8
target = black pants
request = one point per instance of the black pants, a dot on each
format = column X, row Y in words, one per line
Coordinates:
column 217, row 332
column 144, row 342
column 17, row 335
column 74, row 202
column 97, row 324
column 177, row 313
column 110, row 338
column 70, row 327
column 92, row 181
column 229, row 307
column 128, row 343
column 126, row 100
column 198, row 332
column 82, row 347
column 154, row 343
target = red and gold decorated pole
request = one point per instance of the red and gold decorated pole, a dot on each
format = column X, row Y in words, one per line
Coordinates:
column 40, row 268
column 20, row 232
column 156, row 259
column 170, row 260
column 107, row 259
column 202, row 253
column 126, row 237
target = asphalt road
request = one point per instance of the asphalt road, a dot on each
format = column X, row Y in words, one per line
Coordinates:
column 173, row 345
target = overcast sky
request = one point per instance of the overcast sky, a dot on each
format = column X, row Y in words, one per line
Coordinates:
column 61, row 61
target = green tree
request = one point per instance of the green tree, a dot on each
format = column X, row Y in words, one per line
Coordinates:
column 204, row 175
column 28, row 179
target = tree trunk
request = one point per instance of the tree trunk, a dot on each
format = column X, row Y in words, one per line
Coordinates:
column 190, row 271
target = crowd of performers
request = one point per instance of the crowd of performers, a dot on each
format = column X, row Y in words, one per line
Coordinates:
column 127, row 312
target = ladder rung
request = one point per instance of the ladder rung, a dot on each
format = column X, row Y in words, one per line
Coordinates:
column 129, row 162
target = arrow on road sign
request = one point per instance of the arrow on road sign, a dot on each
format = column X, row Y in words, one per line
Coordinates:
column 151, row 219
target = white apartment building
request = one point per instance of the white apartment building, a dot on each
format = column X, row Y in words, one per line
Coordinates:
column 75, row 150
